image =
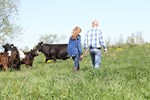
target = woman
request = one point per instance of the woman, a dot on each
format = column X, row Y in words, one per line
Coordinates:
column 74, row 47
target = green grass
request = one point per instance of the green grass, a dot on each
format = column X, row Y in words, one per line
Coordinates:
column 124, row 75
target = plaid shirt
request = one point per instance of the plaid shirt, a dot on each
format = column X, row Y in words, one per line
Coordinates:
column 94, row 38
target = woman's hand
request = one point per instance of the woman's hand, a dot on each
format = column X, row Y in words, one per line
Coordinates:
column 81, row 57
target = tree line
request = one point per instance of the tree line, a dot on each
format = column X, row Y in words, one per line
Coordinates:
column 132, row 40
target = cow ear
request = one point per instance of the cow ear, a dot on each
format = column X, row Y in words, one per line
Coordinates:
column 12, row 45
column 41, row 43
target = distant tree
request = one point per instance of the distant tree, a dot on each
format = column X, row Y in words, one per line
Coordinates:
column 139, row 38
column 131, row 39
column 8, row 16
column 119, row 40
column 26, row 49
column 52, row 38
column 108, row 41
column 135, row 38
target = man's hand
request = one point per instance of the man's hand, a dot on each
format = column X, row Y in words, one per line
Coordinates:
column 81, row 57
column 105, row 50
column 86, row 52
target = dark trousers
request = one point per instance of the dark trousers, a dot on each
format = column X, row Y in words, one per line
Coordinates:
column 76, row 61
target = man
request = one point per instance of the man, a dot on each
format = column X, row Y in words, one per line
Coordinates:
column 93, row 42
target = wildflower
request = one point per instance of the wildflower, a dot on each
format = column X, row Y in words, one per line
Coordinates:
column 49, row 61
column 119, row 49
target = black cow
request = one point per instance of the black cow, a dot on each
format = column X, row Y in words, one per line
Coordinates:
column 29, row 57
column 53, row 51
column 14, row 57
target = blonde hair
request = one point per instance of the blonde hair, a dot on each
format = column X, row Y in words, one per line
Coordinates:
column 75, row 32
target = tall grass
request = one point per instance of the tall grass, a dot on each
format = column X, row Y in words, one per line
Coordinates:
column 124, row 75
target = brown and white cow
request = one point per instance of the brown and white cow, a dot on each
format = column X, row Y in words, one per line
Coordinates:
column 14, row 57
column 29, row 57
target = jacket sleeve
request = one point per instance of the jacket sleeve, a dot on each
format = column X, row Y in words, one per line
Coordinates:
column 69, row 46
column 79, row 45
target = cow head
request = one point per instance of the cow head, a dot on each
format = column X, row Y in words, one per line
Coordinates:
column 34, row 52
column 9, row 47
column 6, row 47
column 39, row 46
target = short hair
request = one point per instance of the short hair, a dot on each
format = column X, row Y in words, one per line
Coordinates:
column 95, row 22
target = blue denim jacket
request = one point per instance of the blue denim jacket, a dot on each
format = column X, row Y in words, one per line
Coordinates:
column 74, row 46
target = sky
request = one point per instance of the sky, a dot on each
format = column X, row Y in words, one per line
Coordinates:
column 115, row 17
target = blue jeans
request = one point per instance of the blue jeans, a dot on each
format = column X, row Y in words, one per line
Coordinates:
column 95, row 57
column 76, row 61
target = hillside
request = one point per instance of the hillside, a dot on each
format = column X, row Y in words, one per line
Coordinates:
column 124, row 75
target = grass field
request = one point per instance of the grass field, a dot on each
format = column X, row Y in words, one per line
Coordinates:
column 124, row 75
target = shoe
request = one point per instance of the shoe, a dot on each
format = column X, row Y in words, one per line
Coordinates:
column 76, row 69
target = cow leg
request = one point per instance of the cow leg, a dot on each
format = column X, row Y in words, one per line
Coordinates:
column 1, row 67
column 54, row 59
column 5, row 68
column 31, row 64
column 11, row 66
column 18, row 67
column 47, row 59
column 26, row 65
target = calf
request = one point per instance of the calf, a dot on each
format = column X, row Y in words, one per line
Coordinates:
column 29, row 57
column 53, row 51
column 4, row 61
